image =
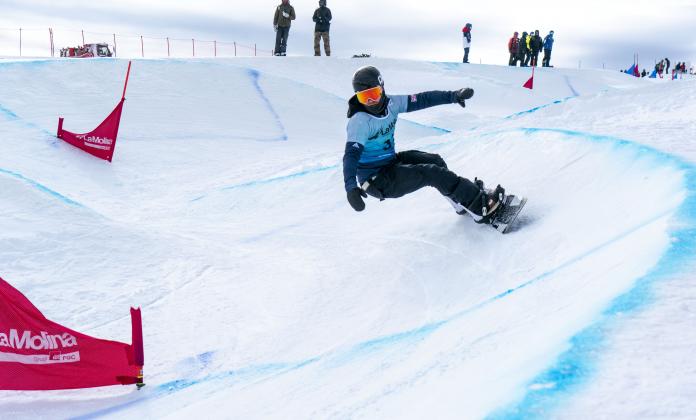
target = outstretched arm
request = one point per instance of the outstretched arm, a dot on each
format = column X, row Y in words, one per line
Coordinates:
column 438, row 97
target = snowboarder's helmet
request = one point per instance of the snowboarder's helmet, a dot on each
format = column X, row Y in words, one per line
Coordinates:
column 322, row 2
column 367, row 77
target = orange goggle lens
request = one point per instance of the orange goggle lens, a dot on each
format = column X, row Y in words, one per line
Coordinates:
column 370, row 96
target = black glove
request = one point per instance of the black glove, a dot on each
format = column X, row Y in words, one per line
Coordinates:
column 355, row 199
column 463, row 94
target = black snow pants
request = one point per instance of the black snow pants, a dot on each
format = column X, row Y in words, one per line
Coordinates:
column 414, row 170
column 546, row 61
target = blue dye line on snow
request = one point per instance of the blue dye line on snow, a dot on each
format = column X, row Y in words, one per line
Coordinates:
column 577, row 365
column 572, row 369
column 535, row 109
column 11, row 116
column 255, row 75
column 41, row 187
column 570, row 85
column 168, row 388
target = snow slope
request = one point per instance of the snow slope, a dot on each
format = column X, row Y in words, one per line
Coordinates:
column 266, row 296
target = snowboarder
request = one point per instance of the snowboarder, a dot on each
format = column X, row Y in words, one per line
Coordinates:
column 284, row 15
column 513, row 46
column 322, row 18
column 466, row 32
column 548, row 46
column 381, row 172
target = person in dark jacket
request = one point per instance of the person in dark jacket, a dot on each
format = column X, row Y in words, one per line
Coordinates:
column 371, row 165
column 667, row 64
column 548, row 46
column 522, row 51
column 322, row 19
column 466, row 33
column 284, row 15
column 528, row 48
column 513, row 47
column 535, row 44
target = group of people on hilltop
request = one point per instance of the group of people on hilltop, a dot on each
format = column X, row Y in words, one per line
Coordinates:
column 282, row 20
column 526, row 49
column 662, row 67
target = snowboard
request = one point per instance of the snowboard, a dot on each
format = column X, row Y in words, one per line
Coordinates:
column 505, row 217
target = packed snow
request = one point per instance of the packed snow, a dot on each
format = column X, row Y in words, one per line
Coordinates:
column 265, row 295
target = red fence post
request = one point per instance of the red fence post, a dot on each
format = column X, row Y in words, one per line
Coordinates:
column 142, row 46
column 167, row 46
column 114, row 45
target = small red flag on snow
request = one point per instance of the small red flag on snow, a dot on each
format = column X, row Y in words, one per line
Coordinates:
column 100, row 142
column 530, row 83
column 38, row 354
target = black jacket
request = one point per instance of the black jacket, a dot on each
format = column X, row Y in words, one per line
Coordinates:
column 536, row 43
column 322, row 16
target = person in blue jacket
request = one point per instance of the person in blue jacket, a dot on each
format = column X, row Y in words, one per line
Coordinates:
column 371, row 165
column 548, row 46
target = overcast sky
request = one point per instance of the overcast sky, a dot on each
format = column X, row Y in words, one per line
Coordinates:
column 595, row 32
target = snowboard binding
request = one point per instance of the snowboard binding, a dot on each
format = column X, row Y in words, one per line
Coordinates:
column 495, row 208
column 485, row 205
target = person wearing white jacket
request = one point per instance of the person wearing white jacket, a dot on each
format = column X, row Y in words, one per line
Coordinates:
column 466, row 32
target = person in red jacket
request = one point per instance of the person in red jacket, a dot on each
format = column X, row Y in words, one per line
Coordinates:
column 513, row 45
column 466, row 32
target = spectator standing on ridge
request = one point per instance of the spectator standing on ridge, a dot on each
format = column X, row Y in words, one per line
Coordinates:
column 644, row 73
column 536, row 43
column 522, row 51
column 284, row 15
column 322, row 18
column 466, row 32
column 513, row 47
column 527, row 43
column 548, row 46
column 667, row 63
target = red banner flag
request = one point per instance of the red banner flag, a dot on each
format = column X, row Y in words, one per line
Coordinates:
column 100, row 142
column 38, row 354
column 530, row 83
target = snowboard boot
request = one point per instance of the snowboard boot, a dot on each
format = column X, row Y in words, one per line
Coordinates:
column 483, row 208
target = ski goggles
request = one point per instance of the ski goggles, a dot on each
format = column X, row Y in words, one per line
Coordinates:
column 370, row 96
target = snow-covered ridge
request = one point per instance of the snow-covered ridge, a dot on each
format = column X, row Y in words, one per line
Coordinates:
column 224, row 215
